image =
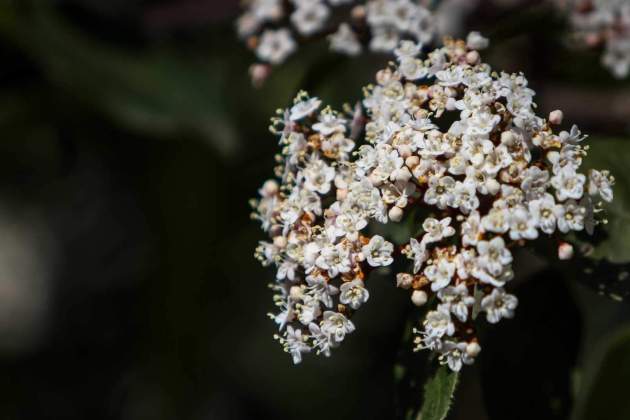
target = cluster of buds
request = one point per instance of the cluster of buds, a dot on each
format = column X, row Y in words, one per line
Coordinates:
column 458, row 150
column 604, row 23
column 314, row 216
column 275, row 28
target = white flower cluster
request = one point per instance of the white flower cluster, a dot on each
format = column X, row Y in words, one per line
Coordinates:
column 273, row 28
column 385, row 20
column 603, row 22
column 456, row 147
column 462, row 142
column 314, row 217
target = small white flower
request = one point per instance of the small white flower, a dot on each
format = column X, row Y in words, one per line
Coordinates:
column 321, row 289
column 436, row 230
column 296, row 344
column 384, row 39
column 497, row 220
column 617, row 58
column 457, row 300
column 570, row 216
column 493, row 255
column 471, row 228
column 498, row 305
column 440, row 191
column 522, row 225
column 543, row 211
column 600, row 183
column 438, row 323
column 354, row 294
column 418, row 253
column 534, row 182
column 336, row 326
column 330, row 123
column 309, row 309
column 309, row 17
column 440, row 273
column 335, row 259
column 482, row 122
column 454, row 355
column 275, row 46
column 348, row 224
column 466, row 263
column 304, row 108
column 321, row 341
column 318, row 176
column 286, row 270
column 378, row 252
column 413, row 68
column 345, row 41
column 568, row 184
column 476, row 41
column 407, row 49
column 465, row 197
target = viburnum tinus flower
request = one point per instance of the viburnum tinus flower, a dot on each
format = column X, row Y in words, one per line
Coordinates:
column 315, row 212
column 490, row 174
column 274, row 28
column 455, row 148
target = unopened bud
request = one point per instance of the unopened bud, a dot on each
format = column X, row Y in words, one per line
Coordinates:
column 403, row 174
column 565, row 251
column 472, row 57
column 395, row 214
column 507, row 137
column 412, row 161
column 342, row 193
column 419, row 297
column 269, row 188
column 259, row 73
column 295, row 292
column 404, row 150
column 473, row 349
column 280, row 241
column 555, row 117
column 493, row 186
column 358, row 13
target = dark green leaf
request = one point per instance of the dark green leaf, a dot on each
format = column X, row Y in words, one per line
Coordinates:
column 162, row 93
column 438, row 394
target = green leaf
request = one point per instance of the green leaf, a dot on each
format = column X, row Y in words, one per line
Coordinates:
column 438, row 394
column 604, row 395
column 160, row 92
column 606, row 268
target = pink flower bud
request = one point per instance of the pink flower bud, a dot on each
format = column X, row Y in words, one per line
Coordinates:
column 472, row 57
column 259, row 74
column 555, row 117
column 565, row 251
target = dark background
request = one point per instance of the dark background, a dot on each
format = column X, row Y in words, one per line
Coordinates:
column 131, row 140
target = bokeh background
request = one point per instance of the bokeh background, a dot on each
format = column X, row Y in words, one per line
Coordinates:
column 131, row 140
